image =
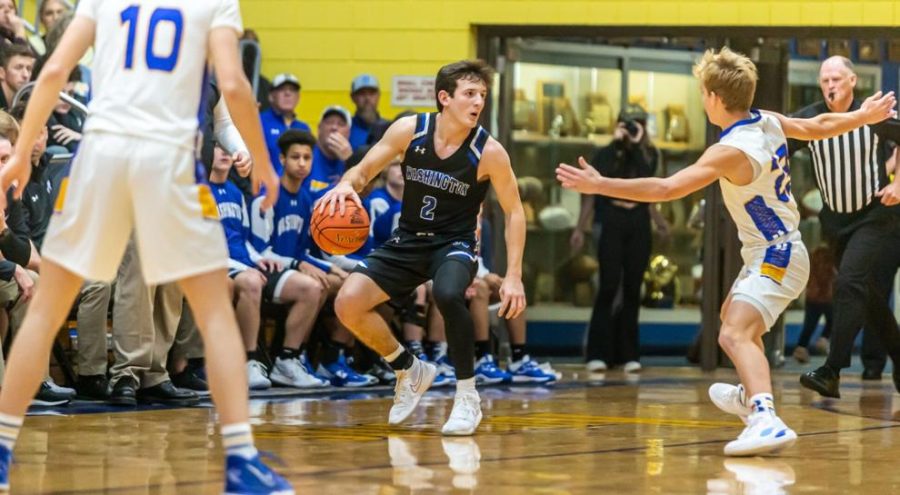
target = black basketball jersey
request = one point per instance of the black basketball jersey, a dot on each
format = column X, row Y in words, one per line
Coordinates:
column 442, row 196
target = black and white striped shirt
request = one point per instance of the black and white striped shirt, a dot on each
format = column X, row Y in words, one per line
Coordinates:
column 849, row 168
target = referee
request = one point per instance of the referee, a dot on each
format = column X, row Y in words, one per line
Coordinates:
column 859, row 222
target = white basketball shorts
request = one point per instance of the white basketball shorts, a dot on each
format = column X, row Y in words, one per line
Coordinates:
column 772, row 277
column 120, row 183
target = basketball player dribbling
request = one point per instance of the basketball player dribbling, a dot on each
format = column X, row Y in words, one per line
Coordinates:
column 136, row 170
column 750, row 163
column 448, row 163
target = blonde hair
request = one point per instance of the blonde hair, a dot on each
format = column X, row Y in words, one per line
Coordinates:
column 9, row 127
column 730, row 75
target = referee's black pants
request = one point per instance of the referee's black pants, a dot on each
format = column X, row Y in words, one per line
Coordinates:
column 867, row 261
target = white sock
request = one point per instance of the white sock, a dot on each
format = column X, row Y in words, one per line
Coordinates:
column 394, row 355
column 467, row 385
column 763, row 402
column 9, row 430
column 237, row 439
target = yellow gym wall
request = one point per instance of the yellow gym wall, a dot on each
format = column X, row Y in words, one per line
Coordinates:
column 327, row 42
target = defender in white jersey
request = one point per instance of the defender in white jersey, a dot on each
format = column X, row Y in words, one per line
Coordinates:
column 137, row 170
column 750, row 163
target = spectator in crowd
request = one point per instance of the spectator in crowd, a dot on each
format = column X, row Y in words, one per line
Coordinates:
column 365, row 94
column 624, row 245
column 51, row 40
column 282, row 234
column 284, row 96
column 16, row 65
column 331, row 151
column 145, row 320
column 255, row 278
column 64, row 124
column 51, row 11
column 12, row 27
column 16, row 247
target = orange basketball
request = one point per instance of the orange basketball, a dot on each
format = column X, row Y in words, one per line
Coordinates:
column 340, row 234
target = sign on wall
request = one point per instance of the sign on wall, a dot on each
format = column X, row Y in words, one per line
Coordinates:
column 412, row 91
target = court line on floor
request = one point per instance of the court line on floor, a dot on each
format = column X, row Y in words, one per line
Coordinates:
column 294, row 476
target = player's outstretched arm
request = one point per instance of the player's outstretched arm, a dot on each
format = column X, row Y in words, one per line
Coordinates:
column 496, row 164
column 717, row 161
column 875, row 109
column 77, row 39
column 236, row 91
column 393, row 143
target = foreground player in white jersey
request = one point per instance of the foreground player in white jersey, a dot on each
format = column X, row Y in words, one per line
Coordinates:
column 136, row 170
column 750, row 163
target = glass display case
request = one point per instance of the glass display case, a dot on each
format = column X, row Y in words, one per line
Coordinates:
column 563, row 102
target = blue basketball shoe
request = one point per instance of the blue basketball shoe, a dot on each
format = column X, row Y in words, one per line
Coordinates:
column 527, row 370
column 342, row 375
column 487, row 372
column 253, row 477
column 5, row 462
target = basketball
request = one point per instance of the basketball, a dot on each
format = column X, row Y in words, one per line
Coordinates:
column 340, row 234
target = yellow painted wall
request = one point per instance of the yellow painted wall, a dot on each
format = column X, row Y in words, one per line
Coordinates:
column 327, row 42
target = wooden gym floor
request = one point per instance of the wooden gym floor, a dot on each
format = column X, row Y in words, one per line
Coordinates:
column 653, row 433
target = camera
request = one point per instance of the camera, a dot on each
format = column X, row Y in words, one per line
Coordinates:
column 631, row 126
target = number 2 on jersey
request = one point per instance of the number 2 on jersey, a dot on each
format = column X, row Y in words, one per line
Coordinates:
column 427, row 212
column 154, row 62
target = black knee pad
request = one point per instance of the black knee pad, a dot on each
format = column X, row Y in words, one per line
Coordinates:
column 450, row 284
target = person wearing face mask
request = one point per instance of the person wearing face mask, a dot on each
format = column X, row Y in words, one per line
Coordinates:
column 365, row 93
column 859, row 220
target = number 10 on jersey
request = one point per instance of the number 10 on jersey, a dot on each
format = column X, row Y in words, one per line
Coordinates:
column 161, row 15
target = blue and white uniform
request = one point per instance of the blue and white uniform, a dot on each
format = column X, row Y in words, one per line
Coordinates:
column 282, row 232
column 324, row 174
column 136, row 169
column 236, row 221
column 776, row 263
column 384, row 215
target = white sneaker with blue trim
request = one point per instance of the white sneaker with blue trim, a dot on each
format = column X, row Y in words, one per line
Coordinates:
column 765, row 433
